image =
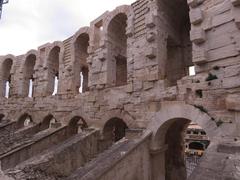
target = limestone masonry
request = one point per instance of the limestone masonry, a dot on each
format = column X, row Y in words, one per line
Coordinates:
column 113, row 101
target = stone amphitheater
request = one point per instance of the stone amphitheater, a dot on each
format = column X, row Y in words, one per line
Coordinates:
column 113, row 101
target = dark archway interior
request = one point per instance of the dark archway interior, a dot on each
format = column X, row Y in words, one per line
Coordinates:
column 28, row 73
column 1, row 117
column 183, row 149
column 114, row 129
column 121, row 70
column 76, row 123
column 24, row 120
column 174, row 156
column 53, row 68
column 49, row 122
column 6, row 76
column 179, row 46
column 118, row 39
column 81, row 54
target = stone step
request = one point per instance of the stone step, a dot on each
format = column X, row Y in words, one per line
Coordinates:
column 17, row 139
column 106, row 157
column 38, row 143
column 61, row 159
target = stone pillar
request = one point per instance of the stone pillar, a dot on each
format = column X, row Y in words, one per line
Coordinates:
column 158, row 163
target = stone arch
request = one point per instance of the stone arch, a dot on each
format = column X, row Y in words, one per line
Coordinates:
column 24, row 121
column 6, row 72
column 30, row 52
column 53, row 63
column 78, row 113
column 61, row 53
column 124, row 115
column 75, row 124
column 80, row 45
column 124, row 9
column 48, row 122
column 116, row 35
column 116, row 42
column 168, row 126
column 114, row 129
column 28, row 73
column 179, row 110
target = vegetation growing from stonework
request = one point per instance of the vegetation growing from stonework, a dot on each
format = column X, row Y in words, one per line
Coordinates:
column 211, row 77
column 216, row 68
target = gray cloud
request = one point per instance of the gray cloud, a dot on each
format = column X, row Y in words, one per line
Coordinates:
column 27, row 24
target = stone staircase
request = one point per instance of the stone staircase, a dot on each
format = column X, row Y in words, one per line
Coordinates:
column 74, row 158
column 32, row 146
column 101, row 163
column 60, row 160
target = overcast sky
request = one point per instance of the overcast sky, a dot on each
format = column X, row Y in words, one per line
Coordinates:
column 27, row 24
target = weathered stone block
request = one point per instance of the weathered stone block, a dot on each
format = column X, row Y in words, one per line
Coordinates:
column 196, row 16
column 151, row 52
column 150, row 36
column 231, row 71
column 232, row 82
column 223, row 52
column 194, row 3
column 233, row 102
column 199, row 56
column 198, row 36
column 151, row 19
column 150, row 23
column 129, row 88
column 154, row 106
column 137, row 86
column 102, row 56
column 148, row 85
column 130, row 31
column 152, row 77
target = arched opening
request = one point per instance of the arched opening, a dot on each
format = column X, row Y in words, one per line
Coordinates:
column 174, row 156
column 28, row 72
column 176, row 160
column 176, row 24
column 6, row 77
column 117, row 39
column 76, row 125
column 114, row 130
column 24, row 121
column 53, row 71
column 81, row 54
column 48, row 122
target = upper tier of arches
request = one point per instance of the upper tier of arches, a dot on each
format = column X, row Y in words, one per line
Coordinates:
column 99, row 56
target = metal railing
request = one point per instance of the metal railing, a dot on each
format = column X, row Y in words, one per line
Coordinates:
column 191, row 163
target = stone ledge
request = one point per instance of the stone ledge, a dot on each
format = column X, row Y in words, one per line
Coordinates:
column 229, row 148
